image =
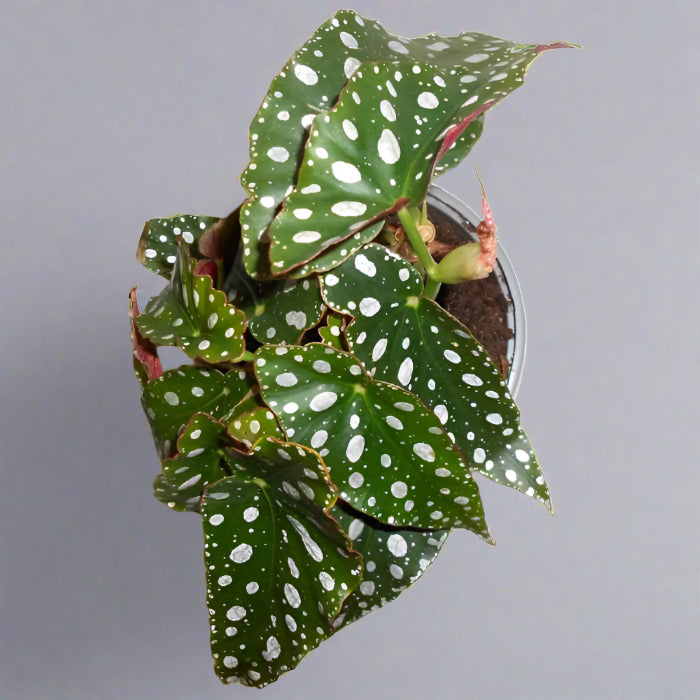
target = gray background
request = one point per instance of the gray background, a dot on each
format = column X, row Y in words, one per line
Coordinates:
column 115, row 112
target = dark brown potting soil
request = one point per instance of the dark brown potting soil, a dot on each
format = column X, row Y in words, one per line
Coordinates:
column 480, row 305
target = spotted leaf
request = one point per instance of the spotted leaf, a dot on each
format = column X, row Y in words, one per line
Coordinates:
column 393, row 558
column 158, row 245
column 377, row 148
column 199, row 462
column 333, row 256
column 310, row 83
column 171, row 400
column 386, row 452
column 191, row 314
column 409, row 340
column 251, row 426
column 278, row 567
column 284, row 314
column 364, row 160
column 332, row 332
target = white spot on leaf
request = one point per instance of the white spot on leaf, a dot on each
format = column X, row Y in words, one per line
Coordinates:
column 387, row 110
column 349, row 40
column 306, row 237
column 323, row 400
column 350, row 129
column 307, row 75
column 354, row 450
column 278, row 153
column 388, row 147
column 369, row 306
column 350, row 66
column 399, row 489
column 405, row 371
column 427, row 100
column 345, row 172
column 397, row 545
column 241, row 553
column 349, row 208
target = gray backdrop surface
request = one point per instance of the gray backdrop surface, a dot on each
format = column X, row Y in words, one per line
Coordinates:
column 115, row 112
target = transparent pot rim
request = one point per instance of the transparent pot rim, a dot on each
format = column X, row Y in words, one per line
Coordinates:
column 505, row 274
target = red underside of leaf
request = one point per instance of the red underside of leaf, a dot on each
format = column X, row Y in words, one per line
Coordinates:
column 454, row 133
column 144, row 350
column 556, row 45
column 206, row 267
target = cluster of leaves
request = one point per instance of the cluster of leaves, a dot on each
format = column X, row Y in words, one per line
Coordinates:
column 329, row 424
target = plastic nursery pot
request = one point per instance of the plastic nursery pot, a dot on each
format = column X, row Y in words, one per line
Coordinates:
column 466, row 220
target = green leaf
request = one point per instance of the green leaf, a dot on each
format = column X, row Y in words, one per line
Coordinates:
column 194, row 316
column 386, row 452
column 373, row 153
column 332, row 332
column 394, row 559
column 404, row 338
column 312, row 79
column 200, row 451
column 286, row 312
column 333, row 256
column 377, row 148
column 278, row 567
column 158, row 244
column 171, row 400
column 251, row 426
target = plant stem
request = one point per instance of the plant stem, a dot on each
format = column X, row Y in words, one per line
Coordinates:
column 432, row 285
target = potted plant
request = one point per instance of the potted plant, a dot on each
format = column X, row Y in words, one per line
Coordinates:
column 332, row 413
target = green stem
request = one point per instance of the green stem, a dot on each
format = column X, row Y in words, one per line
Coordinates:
column 247, row 357
column 432, row 284
column 421, row 250
column 432, row 287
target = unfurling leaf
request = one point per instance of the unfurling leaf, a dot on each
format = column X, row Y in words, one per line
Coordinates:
column 158, row 245
column 194, row 316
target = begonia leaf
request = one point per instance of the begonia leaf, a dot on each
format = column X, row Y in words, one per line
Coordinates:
column 278, row 567
column 285, row 313
column 251, row 426
column 332, row 331
column 310, row 82
column 404, row 338
column 393, row 560
column 386, row 452
column 199, row 462
column 192, row 315
column 171, row 400
column 158, row 245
